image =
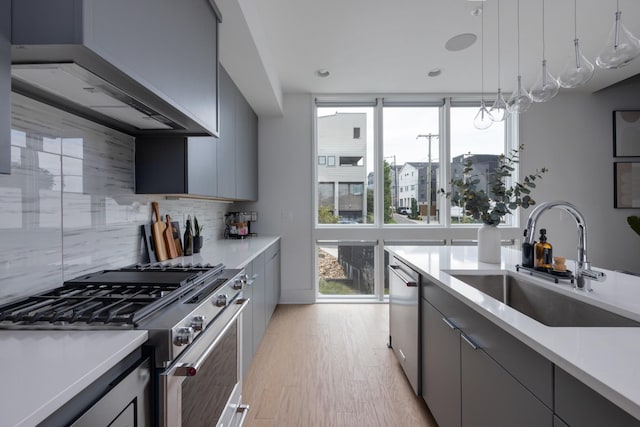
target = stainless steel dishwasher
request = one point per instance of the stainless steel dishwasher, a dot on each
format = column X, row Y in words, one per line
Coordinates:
column 404, row 318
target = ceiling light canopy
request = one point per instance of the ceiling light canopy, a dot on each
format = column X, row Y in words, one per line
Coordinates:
column 460, row 42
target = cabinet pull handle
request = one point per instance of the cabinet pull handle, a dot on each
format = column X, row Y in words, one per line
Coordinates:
column 468, row 341
column 395, row 269
column 449, row 323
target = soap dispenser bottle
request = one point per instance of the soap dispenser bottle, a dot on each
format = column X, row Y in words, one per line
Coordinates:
column 527, row 252
column 543, row 252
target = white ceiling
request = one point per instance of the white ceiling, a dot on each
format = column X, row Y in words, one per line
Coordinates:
column 271, row 47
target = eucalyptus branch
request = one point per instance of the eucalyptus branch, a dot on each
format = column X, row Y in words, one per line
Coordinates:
column 501, row 200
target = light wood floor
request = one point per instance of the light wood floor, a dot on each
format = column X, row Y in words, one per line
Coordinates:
column 328, row 365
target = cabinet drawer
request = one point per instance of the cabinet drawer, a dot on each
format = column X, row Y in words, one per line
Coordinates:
column 528, row 367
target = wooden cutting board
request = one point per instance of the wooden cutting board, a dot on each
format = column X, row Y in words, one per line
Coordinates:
column 157, row 229
column 169, row 241
column 175, row 229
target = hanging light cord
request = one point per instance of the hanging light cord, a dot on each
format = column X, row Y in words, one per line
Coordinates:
column 575, row 19
column 617, row 30
column 543, row 51
column 498, row 44
column 482, row 54
column 518, row 23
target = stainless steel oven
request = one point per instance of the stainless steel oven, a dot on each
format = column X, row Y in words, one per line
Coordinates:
column 203, row 386
column 192, row 314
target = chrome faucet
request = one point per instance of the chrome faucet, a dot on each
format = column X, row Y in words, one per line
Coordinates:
column 584, row 271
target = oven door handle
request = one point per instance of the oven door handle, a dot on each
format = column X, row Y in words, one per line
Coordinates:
column 191, row 369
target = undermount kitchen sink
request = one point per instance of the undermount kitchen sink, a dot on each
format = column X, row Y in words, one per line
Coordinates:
column 543, row 305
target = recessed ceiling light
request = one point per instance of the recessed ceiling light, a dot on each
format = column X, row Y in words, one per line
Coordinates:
column 323, row 72
column 435, row 72
column 460, row 42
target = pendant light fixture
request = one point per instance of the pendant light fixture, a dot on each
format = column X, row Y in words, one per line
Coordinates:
column 546, row 86
column 519, row 101
column 482, row 120
column 578, row 70
column 622, row 47
column 498, row 111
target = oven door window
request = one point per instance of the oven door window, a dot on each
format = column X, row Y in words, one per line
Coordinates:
column 205, row 395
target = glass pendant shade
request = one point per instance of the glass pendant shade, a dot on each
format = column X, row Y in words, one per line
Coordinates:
column 498, row 111
column 545, row 87
column 622, row 47
column 482, row 120
column 578, row 70
column 519, row 101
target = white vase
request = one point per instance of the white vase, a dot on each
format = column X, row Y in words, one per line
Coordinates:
column 489, row 244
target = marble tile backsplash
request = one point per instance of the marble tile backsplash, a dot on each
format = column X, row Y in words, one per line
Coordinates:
column 69, row 205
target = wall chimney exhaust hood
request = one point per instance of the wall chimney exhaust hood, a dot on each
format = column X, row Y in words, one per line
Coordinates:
column 148, row 67
column 78, row 89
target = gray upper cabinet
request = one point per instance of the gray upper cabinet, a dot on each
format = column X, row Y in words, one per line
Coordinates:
column 223, row 167
column 176, row 165
column 227, row 139
column 164, row 53
column 5, row 87
column 246, row 151
column 237, row 144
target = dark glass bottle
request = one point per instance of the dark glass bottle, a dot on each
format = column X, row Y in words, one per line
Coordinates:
column 188, row 238
column 543, row 252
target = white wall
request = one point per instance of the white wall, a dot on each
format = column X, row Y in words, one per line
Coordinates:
column 572, row 135
column 285, row 187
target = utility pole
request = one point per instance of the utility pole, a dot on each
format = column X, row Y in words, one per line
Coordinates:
column 429, row 137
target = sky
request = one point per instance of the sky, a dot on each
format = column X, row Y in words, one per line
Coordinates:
column 401, row 126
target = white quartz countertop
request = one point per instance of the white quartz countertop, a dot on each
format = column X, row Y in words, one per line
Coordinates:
column 233, row 253
column 606, row 359
column 42, row 370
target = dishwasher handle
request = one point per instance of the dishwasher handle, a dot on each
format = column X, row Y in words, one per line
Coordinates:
column 397, row 270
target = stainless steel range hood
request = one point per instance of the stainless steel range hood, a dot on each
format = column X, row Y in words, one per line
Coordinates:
column 78, row 88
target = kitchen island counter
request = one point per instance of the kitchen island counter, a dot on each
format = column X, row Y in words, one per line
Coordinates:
column 42, row 370
column 604, row 358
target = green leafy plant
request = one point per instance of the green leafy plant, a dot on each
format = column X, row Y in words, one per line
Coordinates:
column 490, row 207
column 196, row 227
column 634, row 223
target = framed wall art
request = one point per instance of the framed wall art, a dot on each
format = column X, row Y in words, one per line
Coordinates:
column 626, row 133
column 627, row 185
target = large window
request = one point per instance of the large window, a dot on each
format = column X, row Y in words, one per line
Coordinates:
column 481, row 146
column 345, row 134
column 411, row 140
column 380, row 167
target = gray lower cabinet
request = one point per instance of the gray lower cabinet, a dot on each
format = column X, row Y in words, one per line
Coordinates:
column 5, row 87
column 259, row 301
column 474, row 373
column 247, row 321
column 176, row 165
column 578, row 405
column 492, row 397
column 264, row 290
column 272, row 278
column 440, row 367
